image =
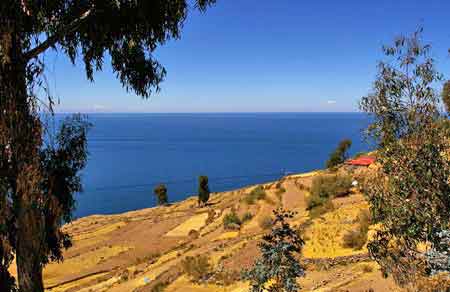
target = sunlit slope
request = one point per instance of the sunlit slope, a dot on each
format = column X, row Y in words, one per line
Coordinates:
column 139, row 250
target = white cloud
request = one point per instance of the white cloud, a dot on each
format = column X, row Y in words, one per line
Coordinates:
column 98, row 107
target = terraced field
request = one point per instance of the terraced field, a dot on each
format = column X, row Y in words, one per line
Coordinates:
column 139, row 250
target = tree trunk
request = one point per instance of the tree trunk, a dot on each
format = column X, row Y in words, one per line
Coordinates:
column 21, row 131
column 29, row 267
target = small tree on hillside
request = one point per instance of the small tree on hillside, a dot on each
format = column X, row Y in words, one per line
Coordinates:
column 203, row 190
column 161, row 194
column 409, row 193
column 340, row 154
column 278, row 268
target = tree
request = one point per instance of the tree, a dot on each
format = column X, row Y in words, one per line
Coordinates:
column 446, row 96
column 340, row 154
column 203, row 190
column 409, row 193
column 161, row 193
column 38, row 180
column 277, row 269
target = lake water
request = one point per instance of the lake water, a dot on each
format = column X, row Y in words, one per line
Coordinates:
column 131, row 153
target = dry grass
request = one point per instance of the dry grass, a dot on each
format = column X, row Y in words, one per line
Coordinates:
column 194, row 223
column 265, row 222
column 324, row 235
column 258, row 193
column 357, row 238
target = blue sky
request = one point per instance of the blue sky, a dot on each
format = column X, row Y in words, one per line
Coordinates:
column 265, row 56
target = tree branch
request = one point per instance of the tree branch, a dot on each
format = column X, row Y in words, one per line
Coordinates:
column 60, row 33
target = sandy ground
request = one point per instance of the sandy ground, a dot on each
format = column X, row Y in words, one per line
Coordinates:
column 132, row 251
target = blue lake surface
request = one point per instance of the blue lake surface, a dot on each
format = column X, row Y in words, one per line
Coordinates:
column 131, row 153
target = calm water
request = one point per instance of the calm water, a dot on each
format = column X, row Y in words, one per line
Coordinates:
column 131, row 153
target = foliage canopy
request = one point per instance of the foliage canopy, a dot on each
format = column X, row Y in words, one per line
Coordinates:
column 409, row 193
column 340, row 153
column 37, row 181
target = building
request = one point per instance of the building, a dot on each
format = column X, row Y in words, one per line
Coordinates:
column 361, row 161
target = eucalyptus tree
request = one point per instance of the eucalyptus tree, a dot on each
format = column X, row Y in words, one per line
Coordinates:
column 38, row 179
column 409, row 193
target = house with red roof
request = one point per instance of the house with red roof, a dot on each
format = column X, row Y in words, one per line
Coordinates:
column 361, row 161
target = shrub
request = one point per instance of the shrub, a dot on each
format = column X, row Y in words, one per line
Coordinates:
column 279, row 193
column 247, row 217
column 314, row 201
column 321, row 209
column 150, row 259
column 339, row 155
column 231, row 221
column 278, row 261
column 161, row 194
column 211, row 216
column 225, row 277
column 159, row 287
column 256, row 194
column 357, row 238
column 265, row 222
column 367, row 268
column 197, row 268
column 193, row 234
column 328, row 186
column 325, row 187
column 203, row 190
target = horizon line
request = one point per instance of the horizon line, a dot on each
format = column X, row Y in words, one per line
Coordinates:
column 213, row 112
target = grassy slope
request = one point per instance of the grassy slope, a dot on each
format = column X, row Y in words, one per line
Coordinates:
column 130, row 251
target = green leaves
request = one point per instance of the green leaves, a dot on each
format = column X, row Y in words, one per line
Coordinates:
column 410, row 193
column 278, row 262
column 129, row 31
column 340, row 154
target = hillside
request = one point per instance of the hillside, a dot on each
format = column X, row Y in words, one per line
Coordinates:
column 137, row 250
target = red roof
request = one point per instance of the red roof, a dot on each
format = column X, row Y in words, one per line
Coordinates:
column 361, row 161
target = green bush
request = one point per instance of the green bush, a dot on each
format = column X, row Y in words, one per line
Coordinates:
column 329, row 186
column 231, row 221
column 323, row 189
column 197, row 268
column 256, row 194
